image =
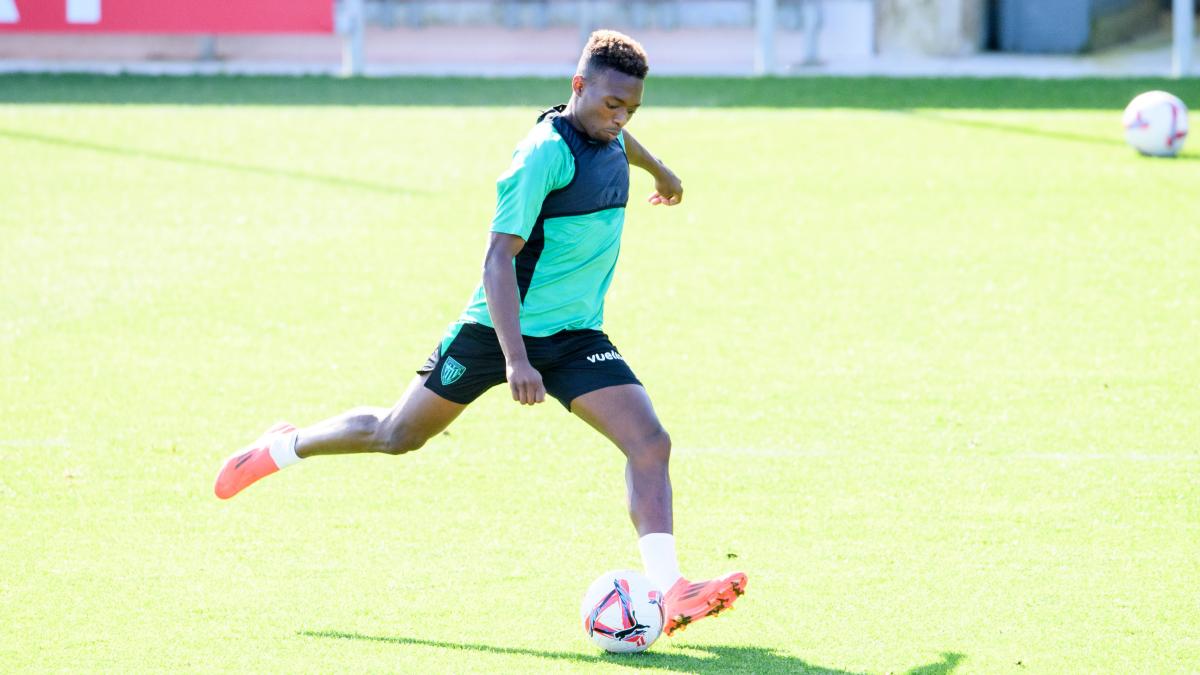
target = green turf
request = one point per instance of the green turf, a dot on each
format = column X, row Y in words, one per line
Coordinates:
column 931, row 372
column 819, row 92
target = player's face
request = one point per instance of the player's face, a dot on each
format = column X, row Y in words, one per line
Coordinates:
column 605, row 100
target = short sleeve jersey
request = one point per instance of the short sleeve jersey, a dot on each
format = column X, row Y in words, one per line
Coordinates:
column 565, row 195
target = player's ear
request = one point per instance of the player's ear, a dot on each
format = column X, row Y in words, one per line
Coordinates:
column 577, row 83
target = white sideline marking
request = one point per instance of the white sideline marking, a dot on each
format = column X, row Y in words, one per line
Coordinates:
column 754, row 452
column 33, row 442
column 1038, row 456
column 1129, row 456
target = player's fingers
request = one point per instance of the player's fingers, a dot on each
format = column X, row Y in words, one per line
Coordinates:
column 655, row 198
column 675, row 199
column 516, row 390
column 540, row 394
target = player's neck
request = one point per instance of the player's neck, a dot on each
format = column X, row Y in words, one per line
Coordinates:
column 569, row 115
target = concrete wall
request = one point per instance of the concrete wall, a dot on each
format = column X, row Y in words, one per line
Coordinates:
column 1115, row 21
column 846, row 27
column 931, row 27
column 664, row 14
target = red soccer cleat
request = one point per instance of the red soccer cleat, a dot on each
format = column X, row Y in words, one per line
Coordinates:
column 689, row 602
column 249, row 464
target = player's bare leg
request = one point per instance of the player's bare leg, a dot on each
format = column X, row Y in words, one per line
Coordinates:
column 418, row 416
column 625, row 416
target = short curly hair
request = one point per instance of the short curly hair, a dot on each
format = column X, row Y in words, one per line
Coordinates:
column 615, row 51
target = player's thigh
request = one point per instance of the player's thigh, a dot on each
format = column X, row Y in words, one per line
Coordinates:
column 419, row 415
column 625, row 415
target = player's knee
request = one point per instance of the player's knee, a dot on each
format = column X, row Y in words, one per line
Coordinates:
column 652, row 450
column 362, row 423
column 402, row 438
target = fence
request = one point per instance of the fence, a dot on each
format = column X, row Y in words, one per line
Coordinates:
column 836, row 29
column 847, row 25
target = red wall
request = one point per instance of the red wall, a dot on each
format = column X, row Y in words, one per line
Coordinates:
column 171, row 16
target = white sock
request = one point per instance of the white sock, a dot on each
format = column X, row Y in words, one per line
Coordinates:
column 283, row 450
column 658, row 557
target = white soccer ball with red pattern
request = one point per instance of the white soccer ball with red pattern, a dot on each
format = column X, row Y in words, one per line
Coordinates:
column 1156, row 124
column 623, row 612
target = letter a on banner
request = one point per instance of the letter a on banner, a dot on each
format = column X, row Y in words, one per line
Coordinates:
column 83, row 11
column 8, row 11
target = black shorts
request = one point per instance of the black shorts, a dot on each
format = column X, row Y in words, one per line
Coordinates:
column 572, row 363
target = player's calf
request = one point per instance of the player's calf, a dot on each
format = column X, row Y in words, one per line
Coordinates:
column 363, row 429
column 396, row 437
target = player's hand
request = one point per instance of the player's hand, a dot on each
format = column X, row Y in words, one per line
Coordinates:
column 668, row 189
column 525, row 383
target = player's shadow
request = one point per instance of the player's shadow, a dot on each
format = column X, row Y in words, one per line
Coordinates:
column 704, row 658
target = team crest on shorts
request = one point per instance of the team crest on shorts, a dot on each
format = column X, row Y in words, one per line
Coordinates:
column 451, row 371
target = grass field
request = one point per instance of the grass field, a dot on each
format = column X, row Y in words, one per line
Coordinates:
column 929, row 352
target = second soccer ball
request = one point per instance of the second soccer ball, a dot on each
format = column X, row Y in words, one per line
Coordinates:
column 1156, row 124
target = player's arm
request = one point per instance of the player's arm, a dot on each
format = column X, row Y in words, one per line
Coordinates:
column 668, row 189
column 500, row 285
column 539, row 165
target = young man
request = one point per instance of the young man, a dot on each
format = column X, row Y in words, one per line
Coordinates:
column 535, row 319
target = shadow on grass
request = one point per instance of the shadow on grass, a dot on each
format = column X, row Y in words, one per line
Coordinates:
column 873, row 93
column 720, row 659
column 125, row 152
column 1113, row 140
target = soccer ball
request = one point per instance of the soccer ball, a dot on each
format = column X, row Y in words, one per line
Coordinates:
column 1156, row 124
column 623, row 612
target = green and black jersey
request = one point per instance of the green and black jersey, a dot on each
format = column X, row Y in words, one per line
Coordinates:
column 565, row 195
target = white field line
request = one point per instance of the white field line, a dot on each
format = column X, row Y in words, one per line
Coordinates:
column 1032, row 456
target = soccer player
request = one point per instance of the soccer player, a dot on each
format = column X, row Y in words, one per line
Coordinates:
column 535, row 319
